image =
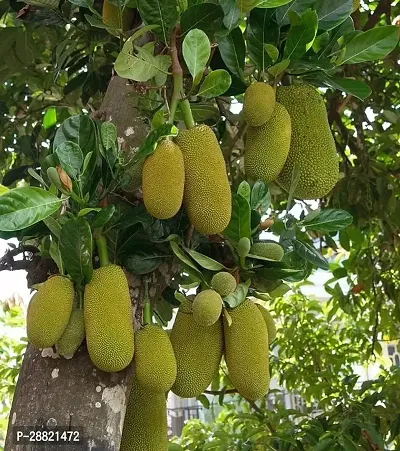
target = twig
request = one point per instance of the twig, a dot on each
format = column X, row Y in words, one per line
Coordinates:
column 220, row 392
column 384, row 7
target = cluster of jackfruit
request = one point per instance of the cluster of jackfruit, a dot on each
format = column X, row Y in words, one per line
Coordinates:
column 289, row 131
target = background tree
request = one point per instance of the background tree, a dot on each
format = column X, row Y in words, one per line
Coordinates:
column 58, row 62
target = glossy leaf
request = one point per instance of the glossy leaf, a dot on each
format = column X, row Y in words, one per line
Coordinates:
column 50, row 118
column 356, row 88
column 333, row 12
column 272, row 3
column 309, row 253
column 205, row 261
column 159, row 12
column 78, row 129
column 215, row 84
column 239, row 295
column 233, row 51
column 201, row 112
column 260, row 197
column 103, row 217
column 108, row 134
column 204, row 16
column 181, row 255
column 239, row 225
column 196, row 51
column 327, row 220
column 143, row 262
column 244, row 190
column 278, row 68
column 70, row 157
column 301, row 35
column 298, row 6
column 23, row 207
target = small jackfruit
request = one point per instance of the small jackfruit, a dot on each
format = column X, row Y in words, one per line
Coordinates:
column 267, row 147
column 73, row 334
column 223, row 283
column 198, row 351
column 269, row 321
column 115, row 17
column 312, row 147
column 155, row 362
column 207, row 307
column 49, row 311
column 243, row 247
column 163, row 178
column 246, row 350
column 267, row 249
column 108, row 319
column 145, row 425
column 207, row 194
column 258, row 103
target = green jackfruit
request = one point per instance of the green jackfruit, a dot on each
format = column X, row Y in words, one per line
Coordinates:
column 223, row 283
column 267, row 249
column 134, row 172
column 73, row 335
column 163, row 178
column 246, row 351
column 207, row 307
column 243, row 247
column 207, row 195
column 198, row 351
column 108, row 319
column 186, row 306
column 49, row 311
column 312, row 146
column 116, row 18
column 258, row 103
column 269, row 321
column 145, row 425
column 155, row 362
column 267, row 147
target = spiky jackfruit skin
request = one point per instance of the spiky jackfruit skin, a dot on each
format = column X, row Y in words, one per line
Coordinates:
column 112, row 16
column 49, row 311
column 186, row 306
column 163, row 179
column 207, row 194
column 270, row 250
column 269, row 321
column 243, row 247
column 267, row 147
column 73, row 334
column 198, row 351
column 108, row 319
column 246, row 350
column 207, row 307
column 155, row 362
column 258, row 103
column 223, row 283
column 134, row 172
column 145, row 424
column 312, row 145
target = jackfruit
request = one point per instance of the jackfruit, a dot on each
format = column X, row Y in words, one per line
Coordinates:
column 243, row 247
column 269, row 321
column 115, row 17
column 108, row 319
column 49, row 311
column 207, row 307
column 356, row 5
column 207, row 194
column 198, row 351
column 312, row 146
column 267, row 147
column 223, row 283
column 245, row 6
column 246, row 351
column 145, row 425
column 134, row 172
column 73, row 335
column 258, row 103
column 155, row 362
column 163, row 178
column 186, row 306
column 267, row 249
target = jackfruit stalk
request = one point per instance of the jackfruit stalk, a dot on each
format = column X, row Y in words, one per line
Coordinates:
column 49, row 311
column 207, row 307
column 163, row 179
column 258, row 103
column 73, row 335
column 108, row 319
column 267, row 147
column 312, row 146
column 246, row 350
column 207, row 194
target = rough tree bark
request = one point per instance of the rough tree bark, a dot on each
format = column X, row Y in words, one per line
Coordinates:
column 55, row 391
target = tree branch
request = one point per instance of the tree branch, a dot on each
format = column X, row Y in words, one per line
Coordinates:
column 384, row 7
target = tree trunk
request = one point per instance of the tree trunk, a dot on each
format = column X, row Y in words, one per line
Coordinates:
column 72, row 393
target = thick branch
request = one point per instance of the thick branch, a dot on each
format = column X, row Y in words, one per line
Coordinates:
column 384, row 7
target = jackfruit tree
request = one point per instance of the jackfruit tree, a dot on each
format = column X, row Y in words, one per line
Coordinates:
column 181, row 166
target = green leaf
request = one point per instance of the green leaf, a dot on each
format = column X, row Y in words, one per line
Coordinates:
column 371, row 45
column 279, row 273
column 196, row 50
column 205, row 16
column 78, row 129
column 103, row 216
column 50, row 118
column 262, row 30
column 278, row 68
column 272, row 51
column 356, row 88
column 239, row 225
column 215, row 84
column 53, row 225
column 23, row 207
column 233, row 51
column 180, row 254
column 159, row 12
column 298, row 6
column 76, row 249
column 88, row 210
column 244, row 190
column 108, row 134
column 143, row 262
column 232, row 13
column 333, row 12
column 204, row 401
column 348, row 443
column 301, row 35
column 150, row 143
column 174, row 447
column 327, row 220
column 271, row 3
column 239, row 295
column 309, row 253
column 204, row 261
column 71, row 158
column 324, row 445
column 201, row 112
column 55, row 254
column 260, row 197
column 3, row 190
